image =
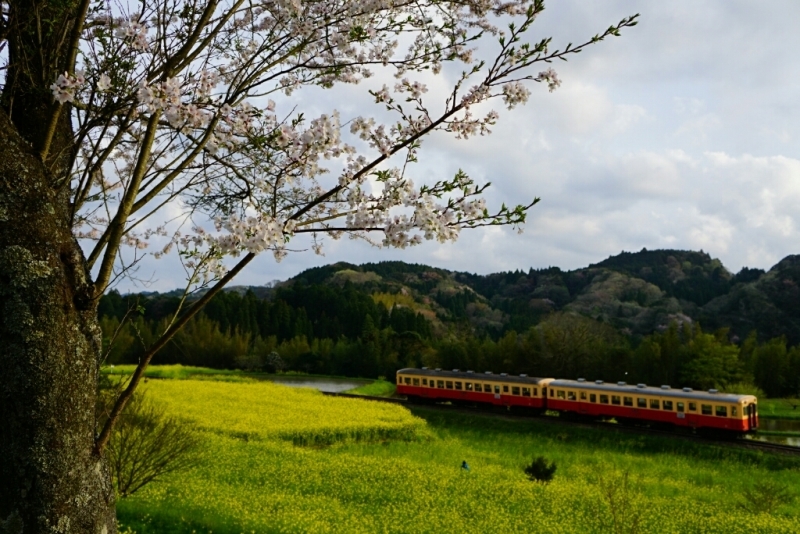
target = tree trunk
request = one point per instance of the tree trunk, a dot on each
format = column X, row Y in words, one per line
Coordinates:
column 50, row 343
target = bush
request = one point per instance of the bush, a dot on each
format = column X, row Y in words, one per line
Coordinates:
column 766, row 497
column 274, row 363
column 147, row 444
column 540, row 470
column 250, row 362
column 620, row 509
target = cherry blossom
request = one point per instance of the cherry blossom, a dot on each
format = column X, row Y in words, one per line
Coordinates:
column 200, row 119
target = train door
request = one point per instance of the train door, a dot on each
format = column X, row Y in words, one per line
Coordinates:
column 681, row 413
column 752, row 416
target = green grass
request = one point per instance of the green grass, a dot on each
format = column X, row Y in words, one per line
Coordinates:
column 175, row 372
column 186, row 372
column 379, row 388
column 264, row 485
column 779, row 408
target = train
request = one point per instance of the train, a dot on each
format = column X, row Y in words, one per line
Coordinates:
column 708, row 410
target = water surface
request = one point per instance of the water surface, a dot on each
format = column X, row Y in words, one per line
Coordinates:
column 778, row 425
column 322, row 383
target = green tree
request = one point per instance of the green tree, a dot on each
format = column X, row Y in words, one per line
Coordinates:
column 712, row 364
column 772, row 366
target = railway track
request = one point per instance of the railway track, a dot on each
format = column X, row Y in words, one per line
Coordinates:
column 738, row 442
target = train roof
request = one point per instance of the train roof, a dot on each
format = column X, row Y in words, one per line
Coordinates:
column 472, row 375
column 621, row 387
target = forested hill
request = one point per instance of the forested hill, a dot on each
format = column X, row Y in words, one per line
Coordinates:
column 636, row 292
column 369, row 319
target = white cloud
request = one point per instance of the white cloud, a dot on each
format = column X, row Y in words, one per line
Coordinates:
column 682, row 133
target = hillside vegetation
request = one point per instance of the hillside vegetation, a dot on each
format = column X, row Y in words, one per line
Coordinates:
column 660, row 317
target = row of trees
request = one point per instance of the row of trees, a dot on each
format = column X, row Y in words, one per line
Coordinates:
column 319, row 329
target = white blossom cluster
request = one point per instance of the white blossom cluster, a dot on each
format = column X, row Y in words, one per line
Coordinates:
column 252, row 234
column 217, row 147
column 66, row 86
column 134, row 33
column 551, row 77
column 515, row 93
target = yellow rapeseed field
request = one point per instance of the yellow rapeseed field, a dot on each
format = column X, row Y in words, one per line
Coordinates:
column 382, row 469
column 263, row 410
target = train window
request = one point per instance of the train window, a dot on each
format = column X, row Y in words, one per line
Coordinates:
column 486, row 387
column 497, row 390
column 641, row 402
column 705, row 409
column 449, row 384
column 692, row 406
column 680, row 407
column 526, row 392
column 722, row 411
column 560, row 394
column 505, row 389
column 603, row 399
column 468, row 386
column 583, row 395
column 615, row 400
column 592, row 397
column 536, row 392
column 408, row 380
column 440, row 384
column 733, row 411
column 668, row 405
column 571, row 395
column 416, row 381
column 552, row 393
column 424, row 381
column 458, row 385
column 654, row 404
column 515, row 391
column 627, row 401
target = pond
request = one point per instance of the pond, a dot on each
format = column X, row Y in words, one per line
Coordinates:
column 790, row 426
column 322, row 383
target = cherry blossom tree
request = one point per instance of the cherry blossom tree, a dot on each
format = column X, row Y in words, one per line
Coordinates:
column 114, row 116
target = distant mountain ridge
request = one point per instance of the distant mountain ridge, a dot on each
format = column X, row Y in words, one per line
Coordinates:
column 636, row 292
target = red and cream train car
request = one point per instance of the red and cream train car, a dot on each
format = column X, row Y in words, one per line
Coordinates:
column 626, row 403
column 679, row 407
column 435, row 385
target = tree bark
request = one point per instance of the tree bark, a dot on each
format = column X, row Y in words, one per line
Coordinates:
column 50, row 345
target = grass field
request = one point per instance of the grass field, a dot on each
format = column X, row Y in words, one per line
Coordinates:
column 779, row 408
column 183, row 372
column 379, row 388
column 277, row 459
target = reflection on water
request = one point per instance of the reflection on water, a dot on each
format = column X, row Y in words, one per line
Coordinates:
column 322, row 383
column 778, row 425
column 781, row 425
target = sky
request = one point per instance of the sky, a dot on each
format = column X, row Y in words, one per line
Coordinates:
column 682, row 133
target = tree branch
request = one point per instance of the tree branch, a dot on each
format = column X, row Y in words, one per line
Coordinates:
column 144, row 361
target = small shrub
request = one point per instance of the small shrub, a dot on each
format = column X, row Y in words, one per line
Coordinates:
column 766, row 497
column 274, row 363
column 147, row 444
column 250, row 362
column 540, row 470
column 619, row 509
